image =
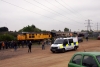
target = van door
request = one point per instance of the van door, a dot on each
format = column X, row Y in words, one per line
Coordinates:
column 65, row 44
column 70, row 43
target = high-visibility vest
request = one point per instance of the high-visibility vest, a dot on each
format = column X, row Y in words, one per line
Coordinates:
column 3, row 44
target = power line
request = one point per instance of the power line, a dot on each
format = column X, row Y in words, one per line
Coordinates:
column 48, row 10
column 60, row 9
column 39, row 7
column 55, row 11
column 97, row 26
column 72, row 9
column 74, row 25
column 28, row 10
column 67, row 8
column 54, row 5
column 47, row 7
column 32, row 11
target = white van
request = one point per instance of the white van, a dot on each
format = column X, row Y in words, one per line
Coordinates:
column 64, row 44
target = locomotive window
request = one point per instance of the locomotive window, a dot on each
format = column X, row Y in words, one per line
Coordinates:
column 32, row 36
column 29, row 36
column 49, row 35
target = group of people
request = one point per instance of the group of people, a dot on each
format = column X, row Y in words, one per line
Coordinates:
column 17, row 44
column 8, row 45
column 43, row 45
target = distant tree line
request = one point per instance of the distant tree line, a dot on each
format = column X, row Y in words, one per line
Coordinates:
column 6, row 35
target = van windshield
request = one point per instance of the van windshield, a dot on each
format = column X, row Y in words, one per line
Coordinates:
column 59, row 41
column 98, row 58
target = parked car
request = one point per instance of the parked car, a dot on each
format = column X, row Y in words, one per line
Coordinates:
column 85, row 59
column 98, row 37
column 80, row 39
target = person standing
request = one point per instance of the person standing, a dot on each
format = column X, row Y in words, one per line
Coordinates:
column 26, row 43
column 22, row 44
column 3, row 45
column 29, row 46
column 87, row 38
column 43, row 45
column 15, row 45
column 18, row 42
column 0, row 45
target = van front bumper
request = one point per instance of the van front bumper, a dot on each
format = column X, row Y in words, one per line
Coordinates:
column 55, row 49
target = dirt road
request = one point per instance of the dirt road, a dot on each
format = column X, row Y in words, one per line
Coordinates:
column 42, row 58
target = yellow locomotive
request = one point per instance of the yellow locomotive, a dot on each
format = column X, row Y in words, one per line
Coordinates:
column 34, row 36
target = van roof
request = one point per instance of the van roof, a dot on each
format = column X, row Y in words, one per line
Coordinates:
column 67, row 38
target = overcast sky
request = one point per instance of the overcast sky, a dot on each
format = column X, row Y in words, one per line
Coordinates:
column 50, row 14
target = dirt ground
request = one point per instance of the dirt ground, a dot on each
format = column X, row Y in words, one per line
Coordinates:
column 42, row 58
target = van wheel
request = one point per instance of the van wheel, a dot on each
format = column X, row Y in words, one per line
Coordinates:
column 63, row 50
column 75, row 48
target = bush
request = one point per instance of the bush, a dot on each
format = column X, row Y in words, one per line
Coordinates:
column 7, row 37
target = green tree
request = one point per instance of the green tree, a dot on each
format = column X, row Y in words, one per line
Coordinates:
column 3, row 29
column 7, row 37
column 66, row 29
column 31, row 28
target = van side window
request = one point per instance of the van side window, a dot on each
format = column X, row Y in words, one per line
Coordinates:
column 65, row 42
column 70, row 41
column 77, row 59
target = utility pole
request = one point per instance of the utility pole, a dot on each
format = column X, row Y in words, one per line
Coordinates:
column 88, row 25
column 97, row 27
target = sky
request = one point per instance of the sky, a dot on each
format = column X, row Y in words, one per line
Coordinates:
column 50, row 14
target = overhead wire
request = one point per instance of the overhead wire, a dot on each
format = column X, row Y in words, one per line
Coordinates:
column 42, row 8
column 39, row 7
column 25, row 9
column 36, row 13
column 56, row 11
column 73, row 9
column 31, row 11
column 64, row 7
column 58, row 8
column 45, row 9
